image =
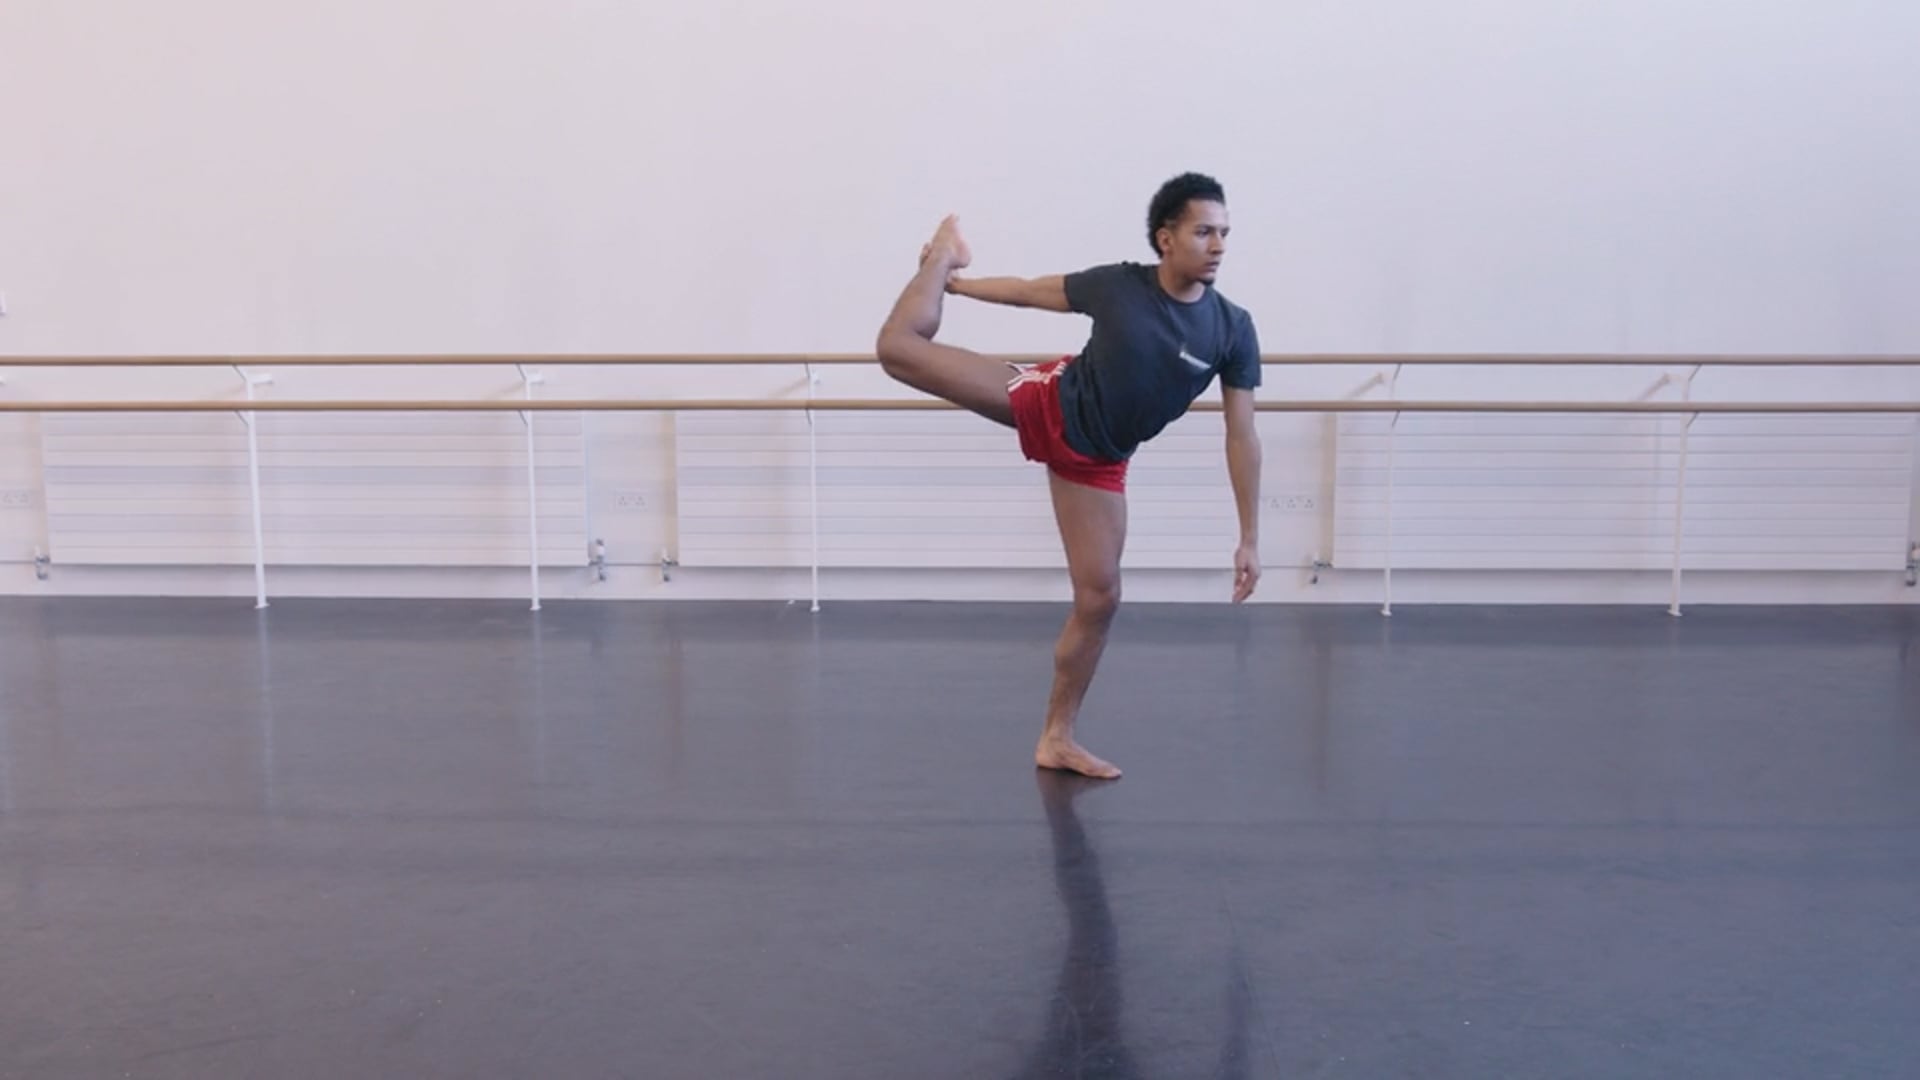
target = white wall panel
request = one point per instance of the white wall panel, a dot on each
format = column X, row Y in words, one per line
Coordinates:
column 337, row 490
column 1597, row 493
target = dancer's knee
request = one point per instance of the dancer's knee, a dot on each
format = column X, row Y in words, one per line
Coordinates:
column 1097, row 600
column 895, row 347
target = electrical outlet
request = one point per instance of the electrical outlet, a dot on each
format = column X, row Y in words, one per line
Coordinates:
column 18, row 499
column 3, row 303
column 1291, row 504
column 629, row 500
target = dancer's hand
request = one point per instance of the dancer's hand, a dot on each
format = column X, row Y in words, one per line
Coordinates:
column 1246, row 571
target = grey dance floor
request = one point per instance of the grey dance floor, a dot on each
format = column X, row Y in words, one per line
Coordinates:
column 433, row 839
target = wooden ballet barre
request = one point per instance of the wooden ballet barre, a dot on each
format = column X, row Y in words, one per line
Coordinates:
column 1277, row 405
column 763, row 359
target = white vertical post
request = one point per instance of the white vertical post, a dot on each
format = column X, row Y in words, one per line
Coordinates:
column 529, row 380
column 1393, row 426
column 1680, row 492
column 251, row 420
column 813, row 482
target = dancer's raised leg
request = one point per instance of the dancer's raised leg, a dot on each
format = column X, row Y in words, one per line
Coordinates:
column 908, row 352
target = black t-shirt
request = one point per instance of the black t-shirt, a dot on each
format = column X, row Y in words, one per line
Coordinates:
column 1148, row 358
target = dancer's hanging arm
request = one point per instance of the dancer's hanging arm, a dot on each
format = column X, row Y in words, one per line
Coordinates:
column 1237, row 382
column 1243, row 470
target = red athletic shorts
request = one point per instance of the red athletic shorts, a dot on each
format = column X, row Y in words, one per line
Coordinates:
column 1035, row 394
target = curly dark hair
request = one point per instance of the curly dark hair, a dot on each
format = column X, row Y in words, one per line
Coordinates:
column 1172, row 199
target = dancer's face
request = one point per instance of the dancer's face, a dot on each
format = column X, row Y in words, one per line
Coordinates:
column 1195, row 245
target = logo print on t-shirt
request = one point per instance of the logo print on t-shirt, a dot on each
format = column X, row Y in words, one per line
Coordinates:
column 1194, row 361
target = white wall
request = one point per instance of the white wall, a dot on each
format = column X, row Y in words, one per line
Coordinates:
column 441, row 176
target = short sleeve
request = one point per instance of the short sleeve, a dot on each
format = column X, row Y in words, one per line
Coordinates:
column 1090, row 291
column 1242, row 369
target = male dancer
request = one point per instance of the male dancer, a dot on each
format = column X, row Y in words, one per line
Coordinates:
column 1161, row 334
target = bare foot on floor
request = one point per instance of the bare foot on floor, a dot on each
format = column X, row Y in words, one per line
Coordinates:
column 1069, row 756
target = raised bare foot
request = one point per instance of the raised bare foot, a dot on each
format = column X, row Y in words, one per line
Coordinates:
column 948, row 244
column 1069, row 756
